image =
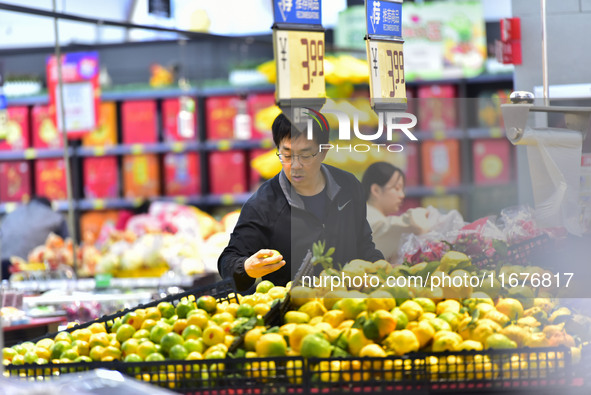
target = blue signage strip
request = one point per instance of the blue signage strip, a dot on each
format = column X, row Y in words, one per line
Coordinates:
column 308, row 12
column 384, row 17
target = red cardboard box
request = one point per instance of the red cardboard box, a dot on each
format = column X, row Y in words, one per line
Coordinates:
column 489, row 108
column 106, row 133
column 45, row 133
column 101, row 178
column 18, row 129
column 227, row 172
column 138, row 122
column 170, row 116
column 441, row 163
column 182, row 175
column 219, row 117
column 15, row 181
column 492, row 161
column 260, row 126
column 411, row 170
column 141, row 176
column 255, row 178
column 50, row 179
column 436, row 108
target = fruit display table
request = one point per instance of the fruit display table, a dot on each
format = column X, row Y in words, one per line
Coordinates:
column 36, row 327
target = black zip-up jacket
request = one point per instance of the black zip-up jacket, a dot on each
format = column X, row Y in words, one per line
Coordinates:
column 275, row 218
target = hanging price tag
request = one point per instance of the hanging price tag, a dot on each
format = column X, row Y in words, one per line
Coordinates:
column 386, row 64
column 384, row 54
column 300, row 64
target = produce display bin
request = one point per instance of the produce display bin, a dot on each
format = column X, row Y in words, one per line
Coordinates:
column 498, row 371
column 222, row 291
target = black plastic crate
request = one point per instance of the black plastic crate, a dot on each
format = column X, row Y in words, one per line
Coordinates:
column 219, row 376
column 223, row 291
column 466, row 371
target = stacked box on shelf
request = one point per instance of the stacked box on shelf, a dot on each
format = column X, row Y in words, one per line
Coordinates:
column 227, row 172
column 45, row 132
column 181, row 170
column 101, row 175
column 15, row 177
column 411, row 164
column 489, row 108
column 50, row 174
column 141, row 173
column 106, row 132
column 436, row 108
column 440, row 161
column 492, row 161
column 50, row 179
column 258, row 105
column 220, row 113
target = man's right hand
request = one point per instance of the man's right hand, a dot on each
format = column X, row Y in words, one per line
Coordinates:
column 262, row 263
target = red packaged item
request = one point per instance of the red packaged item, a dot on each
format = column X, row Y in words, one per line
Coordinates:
column 492, row 161
column 219, row 117
column 411, row 169
column 106, row 132
column 17, row 136
column 15, row 181
column 138, row 122
column 255, row 179
column 170, row 118
column 50, row 179
column 141, row 176
column 227, row 172
column 101, row 179
column 436, row 108
column 440, row 163
column 45, row 133
column 257, row 105
column 182, row 175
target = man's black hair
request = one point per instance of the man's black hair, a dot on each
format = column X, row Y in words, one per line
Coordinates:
column 282, row 128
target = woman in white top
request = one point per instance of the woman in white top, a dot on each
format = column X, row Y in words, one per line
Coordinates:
column 383, row 185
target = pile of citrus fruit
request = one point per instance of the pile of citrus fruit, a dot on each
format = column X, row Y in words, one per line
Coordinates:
column 191, row 330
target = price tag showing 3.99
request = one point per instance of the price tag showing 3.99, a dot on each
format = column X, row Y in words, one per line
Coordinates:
column 300, row 64
column 386, row 67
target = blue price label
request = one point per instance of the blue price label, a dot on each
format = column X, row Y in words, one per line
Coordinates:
column 384, row 17
column 307, row 12
column 3, row 104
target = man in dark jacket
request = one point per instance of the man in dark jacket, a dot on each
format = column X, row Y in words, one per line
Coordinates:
column 305, row 203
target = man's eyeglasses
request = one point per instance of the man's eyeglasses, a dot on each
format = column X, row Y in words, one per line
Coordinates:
column 304, row 159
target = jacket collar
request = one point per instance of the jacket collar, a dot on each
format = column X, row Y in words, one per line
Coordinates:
column 294, row 200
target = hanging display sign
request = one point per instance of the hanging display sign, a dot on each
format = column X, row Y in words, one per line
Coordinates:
column 385, row 55
column 307, row 12
column 384, row 18
column 299, row 48
column 81, row 92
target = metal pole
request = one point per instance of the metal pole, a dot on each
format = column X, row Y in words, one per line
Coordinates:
column 544, row 55
column 71, row 226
